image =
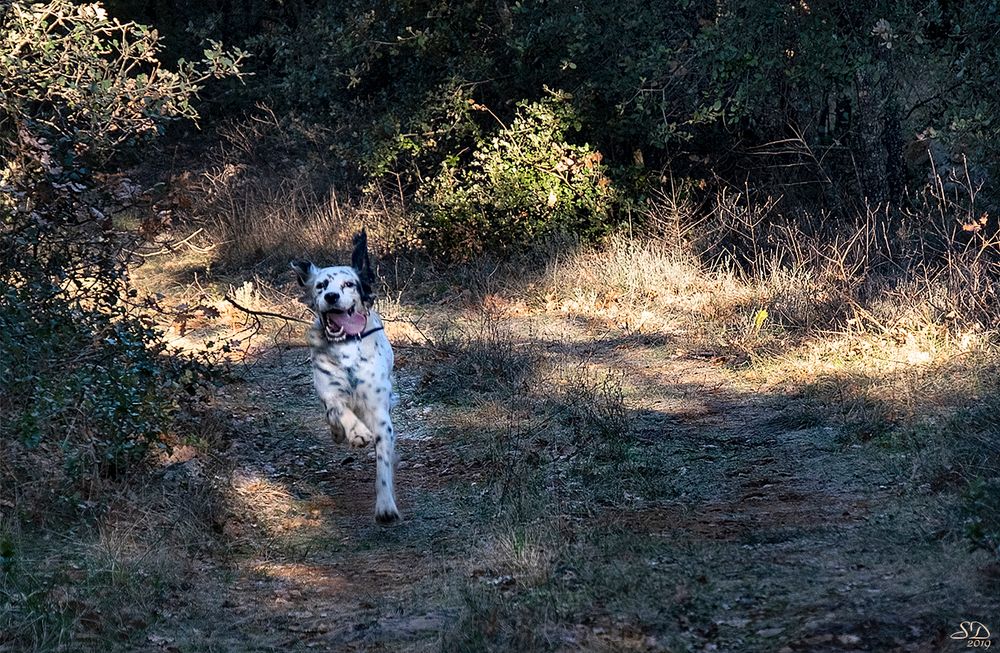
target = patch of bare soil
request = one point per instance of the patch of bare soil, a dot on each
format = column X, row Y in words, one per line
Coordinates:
column 773, row 538
column 310, row 569
column 804, row 543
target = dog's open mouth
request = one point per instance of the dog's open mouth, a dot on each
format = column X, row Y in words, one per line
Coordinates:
column 341, row 324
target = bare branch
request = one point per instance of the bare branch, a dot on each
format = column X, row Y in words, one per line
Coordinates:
column 257, row 314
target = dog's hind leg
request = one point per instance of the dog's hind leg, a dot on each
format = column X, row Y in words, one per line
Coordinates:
column 385, row 463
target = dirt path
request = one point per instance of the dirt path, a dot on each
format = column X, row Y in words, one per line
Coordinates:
column 757, row 530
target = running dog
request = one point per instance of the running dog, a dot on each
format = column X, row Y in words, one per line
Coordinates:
column 352, row 363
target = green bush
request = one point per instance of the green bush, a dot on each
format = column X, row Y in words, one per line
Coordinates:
column 86, row 380
column 89, row 83
column 84, row 377
column 524, row 183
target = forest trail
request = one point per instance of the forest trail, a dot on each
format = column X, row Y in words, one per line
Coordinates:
column 761, row 531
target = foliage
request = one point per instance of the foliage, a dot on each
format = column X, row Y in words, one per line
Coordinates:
column 78, row 77
column 524, row 183
column 845, row 90
column 84, row 376
column 830, row 106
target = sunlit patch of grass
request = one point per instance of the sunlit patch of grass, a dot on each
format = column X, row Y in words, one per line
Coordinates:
column 651, row 285
column 632, row 283
column 269, row 507
column 914, row 367
column 872, row 385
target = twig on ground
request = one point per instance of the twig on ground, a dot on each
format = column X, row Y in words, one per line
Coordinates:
column 170, row 248
column 259, row 314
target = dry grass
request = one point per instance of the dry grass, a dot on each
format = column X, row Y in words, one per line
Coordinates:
column 803, row 304
column 257, row 212
column 522, row 367
column 96, row 585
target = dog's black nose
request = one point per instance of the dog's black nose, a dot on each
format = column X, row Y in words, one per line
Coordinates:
column 331, row 297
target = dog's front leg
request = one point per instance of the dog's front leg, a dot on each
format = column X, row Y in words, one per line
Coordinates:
column 385, row 463
column 344, row 424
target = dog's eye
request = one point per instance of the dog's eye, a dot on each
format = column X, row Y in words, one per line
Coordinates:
column 348, row 284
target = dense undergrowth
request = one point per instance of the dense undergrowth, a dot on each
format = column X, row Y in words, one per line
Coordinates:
column 87, row 385
column 804, row 207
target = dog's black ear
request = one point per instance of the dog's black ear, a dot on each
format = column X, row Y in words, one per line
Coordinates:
column 363, row 266
column 304, row 270
column 359, row 257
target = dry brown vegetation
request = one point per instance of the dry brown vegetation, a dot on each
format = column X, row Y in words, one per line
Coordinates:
column 694, row 311
column 604, row 448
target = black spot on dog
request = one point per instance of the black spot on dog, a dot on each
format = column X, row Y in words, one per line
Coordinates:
column 352, row 378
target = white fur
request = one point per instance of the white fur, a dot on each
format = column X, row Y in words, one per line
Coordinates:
column 353, row 378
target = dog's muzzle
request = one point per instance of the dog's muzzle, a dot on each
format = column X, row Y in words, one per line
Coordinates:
column 341, row 324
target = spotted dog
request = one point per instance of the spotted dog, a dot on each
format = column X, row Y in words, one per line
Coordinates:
column 352, row 363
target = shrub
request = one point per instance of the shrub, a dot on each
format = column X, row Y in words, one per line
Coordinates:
column 84, row 379
column 88, row 83
column 524, row 183
column 84, row 376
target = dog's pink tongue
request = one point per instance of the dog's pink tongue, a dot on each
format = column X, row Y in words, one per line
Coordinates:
column 351, row 324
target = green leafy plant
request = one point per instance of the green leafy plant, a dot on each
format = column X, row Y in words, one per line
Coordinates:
column 85, row 378
column 89, row 83
column 526, row 182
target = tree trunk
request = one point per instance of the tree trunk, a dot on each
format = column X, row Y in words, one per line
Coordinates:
column 878, row 139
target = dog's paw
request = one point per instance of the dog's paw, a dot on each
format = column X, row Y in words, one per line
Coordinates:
column 385, row 508
column 387, row 516
column 360, row 436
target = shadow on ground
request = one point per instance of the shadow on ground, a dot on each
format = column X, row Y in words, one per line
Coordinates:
column 723, row 519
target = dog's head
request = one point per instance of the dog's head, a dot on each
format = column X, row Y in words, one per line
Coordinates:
column 341, row 295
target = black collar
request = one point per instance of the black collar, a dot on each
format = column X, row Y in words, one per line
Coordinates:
column 359, row 337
